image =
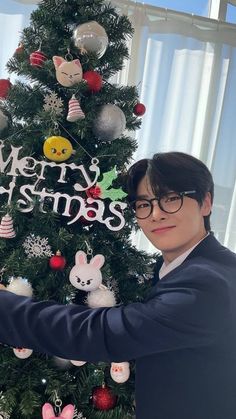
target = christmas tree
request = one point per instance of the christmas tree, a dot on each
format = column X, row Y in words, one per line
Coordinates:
column 64, row 232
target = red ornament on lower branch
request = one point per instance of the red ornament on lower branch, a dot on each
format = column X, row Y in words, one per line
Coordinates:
column 57, row 262
column 5, row 86
column 103, row 398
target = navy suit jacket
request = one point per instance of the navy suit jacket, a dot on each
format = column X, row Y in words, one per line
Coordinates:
column 183, row 336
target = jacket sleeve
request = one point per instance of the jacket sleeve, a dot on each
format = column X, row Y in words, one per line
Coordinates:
column 175, row 317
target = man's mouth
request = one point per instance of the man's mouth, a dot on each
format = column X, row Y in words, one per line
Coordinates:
column 162, row 229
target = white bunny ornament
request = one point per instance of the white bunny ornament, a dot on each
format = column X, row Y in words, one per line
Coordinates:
column 48, row 412
column 86, row 276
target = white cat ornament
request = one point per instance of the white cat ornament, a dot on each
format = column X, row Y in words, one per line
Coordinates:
column 87, row 276
column 68, row 73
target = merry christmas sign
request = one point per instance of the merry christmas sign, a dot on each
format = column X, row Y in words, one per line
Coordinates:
column 108, row 212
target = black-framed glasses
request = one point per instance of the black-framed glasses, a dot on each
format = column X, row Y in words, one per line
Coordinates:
column 169, row 202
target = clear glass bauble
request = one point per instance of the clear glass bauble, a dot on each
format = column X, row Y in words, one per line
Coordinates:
column 91, row 37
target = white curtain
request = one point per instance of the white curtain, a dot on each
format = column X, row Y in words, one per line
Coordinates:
column 186, row 69
column 14, row 16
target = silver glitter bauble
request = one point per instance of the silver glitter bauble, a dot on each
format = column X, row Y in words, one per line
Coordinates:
column 110, row 123
column 91, row 37
column 3, row 121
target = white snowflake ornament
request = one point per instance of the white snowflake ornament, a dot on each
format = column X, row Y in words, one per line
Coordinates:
column 4, row 415
column 77, row 415
column 36, row 246
column 53, row 104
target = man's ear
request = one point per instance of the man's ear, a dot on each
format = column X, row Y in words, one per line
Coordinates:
column 206, row 205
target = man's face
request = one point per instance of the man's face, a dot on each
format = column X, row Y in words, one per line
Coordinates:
column 173, row 234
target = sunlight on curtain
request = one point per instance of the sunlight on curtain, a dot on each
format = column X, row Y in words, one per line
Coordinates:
column 186, row 69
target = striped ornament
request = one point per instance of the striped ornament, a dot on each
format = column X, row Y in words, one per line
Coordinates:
column 75, row 112
column 37, row 58
column 6, row 227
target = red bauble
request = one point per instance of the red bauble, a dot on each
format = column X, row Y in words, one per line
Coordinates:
column 139, row 109
column 37, row 58
column 94, row 80
column 103, row 398
column 5, row 86
column 57, row 262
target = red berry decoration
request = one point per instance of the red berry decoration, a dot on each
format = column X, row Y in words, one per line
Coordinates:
column 57, row 262
column 37, row 58
column 94, row 192
column 94, row 80
column 5, row 86
column 139, row 109
column 103, row 398
column 90, row 213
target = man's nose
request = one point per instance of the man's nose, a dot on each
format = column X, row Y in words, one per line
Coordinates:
column 157, row 212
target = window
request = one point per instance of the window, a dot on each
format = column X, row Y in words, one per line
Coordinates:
column 197, row 7
column 231, row 13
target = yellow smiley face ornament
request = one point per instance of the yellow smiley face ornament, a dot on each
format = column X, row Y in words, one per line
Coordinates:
column 57, row 148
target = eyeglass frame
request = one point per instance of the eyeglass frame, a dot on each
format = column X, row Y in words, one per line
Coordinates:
column 158, row 199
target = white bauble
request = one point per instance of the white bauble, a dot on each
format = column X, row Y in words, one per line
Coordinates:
column 61, row 363
column 91, row 37
column 101, row 298
column 22, row 353
column 78, row 363
column 20, row 286
column 110, row 123
column 3, row 121
column 120, row 371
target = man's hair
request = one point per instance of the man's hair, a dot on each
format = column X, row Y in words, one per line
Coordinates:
column 173, row 171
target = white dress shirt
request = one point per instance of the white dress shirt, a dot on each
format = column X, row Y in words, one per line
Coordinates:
column 168, row 267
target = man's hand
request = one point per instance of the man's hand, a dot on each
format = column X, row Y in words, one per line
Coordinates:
column 2, row 287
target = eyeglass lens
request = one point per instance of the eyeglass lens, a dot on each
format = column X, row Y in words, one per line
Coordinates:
column 170, row 203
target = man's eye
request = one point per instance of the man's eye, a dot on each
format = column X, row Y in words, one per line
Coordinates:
column 144, row 204
column 171, row 198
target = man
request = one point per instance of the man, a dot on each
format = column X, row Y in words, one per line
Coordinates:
column 183, row 336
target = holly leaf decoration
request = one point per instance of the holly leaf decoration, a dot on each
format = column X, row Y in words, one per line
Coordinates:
column 106, row 183
column 107, row 179
column 114, row 194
